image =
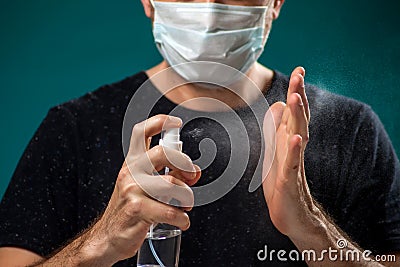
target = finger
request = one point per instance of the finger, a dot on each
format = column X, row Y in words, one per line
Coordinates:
column 272, row 121
column 297, row 123
column 178, row 193
column 159, row 157
column 164, row 188
column 273, row 117
column 299, row 70
column 156, row 212
column 297, row 85
column 293, row 158
column 182, row 175
column 285, row 116
column 143, row 131
column 161, row 187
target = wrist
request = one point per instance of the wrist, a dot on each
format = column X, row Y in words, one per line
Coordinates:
column 85, row 250
column 311, row 225
column 94, row 249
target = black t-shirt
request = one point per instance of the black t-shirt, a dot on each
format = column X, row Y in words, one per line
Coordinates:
column 66, row 176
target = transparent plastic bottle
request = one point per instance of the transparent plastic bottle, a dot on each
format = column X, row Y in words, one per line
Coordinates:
column 162, row 244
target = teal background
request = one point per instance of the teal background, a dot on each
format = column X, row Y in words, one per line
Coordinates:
column 52, row 51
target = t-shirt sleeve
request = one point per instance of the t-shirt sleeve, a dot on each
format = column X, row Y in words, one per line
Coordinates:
column 371, row 205
column 38, row 210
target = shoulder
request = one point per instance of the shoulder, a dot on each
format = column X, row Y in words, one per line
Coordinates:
column 342, row 117
column 329, row 108
column 108, row 100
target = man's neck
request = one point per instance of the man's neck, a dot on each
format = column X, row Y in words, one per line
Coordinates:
column 198, row 97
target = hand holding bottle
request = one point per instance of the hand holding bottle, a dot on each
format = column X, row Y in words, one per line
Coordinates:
column 133, row 208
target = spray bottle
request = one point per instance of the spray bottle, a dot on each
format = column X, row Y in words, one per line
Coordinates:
column 162, row 245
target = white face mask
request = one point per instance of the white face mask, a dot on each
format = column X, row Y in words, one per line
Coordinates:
column 225, row 34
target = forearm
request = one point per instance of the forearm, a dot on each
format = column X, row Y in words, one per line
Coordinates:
column 331, row 246
column 85, row 250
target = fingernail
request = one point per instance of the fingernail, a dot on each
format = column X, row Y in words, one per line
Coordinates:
column 197, row 168
column 300, row 102
column 189, row 175
column 301, row 141
column 302, row 78
column 174, row 120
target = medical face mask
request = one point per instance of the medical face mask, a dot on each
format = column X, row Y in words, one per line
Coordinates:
column 226, row 34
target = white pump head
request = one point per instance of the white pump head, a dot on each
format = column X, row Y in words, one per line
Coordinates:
column 170, row 139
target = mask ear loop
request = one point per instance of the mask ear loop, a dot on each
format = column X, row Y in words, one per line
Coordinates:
column 271, row 3
column 269, row 6
column 154, row 9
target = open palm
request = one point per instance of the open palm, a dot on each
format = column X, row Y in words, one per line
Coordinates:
column 284, row 183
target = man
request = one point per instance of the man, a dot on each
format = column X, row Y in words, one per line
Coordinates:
column 70, row 173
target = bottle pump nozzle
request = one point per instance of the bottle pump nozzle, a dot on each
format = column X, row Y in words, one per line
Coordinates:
column 170, row 139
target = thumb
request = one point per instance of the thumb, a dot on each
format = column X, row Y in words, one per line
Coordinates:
column 272, row 120
column 274, row 115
